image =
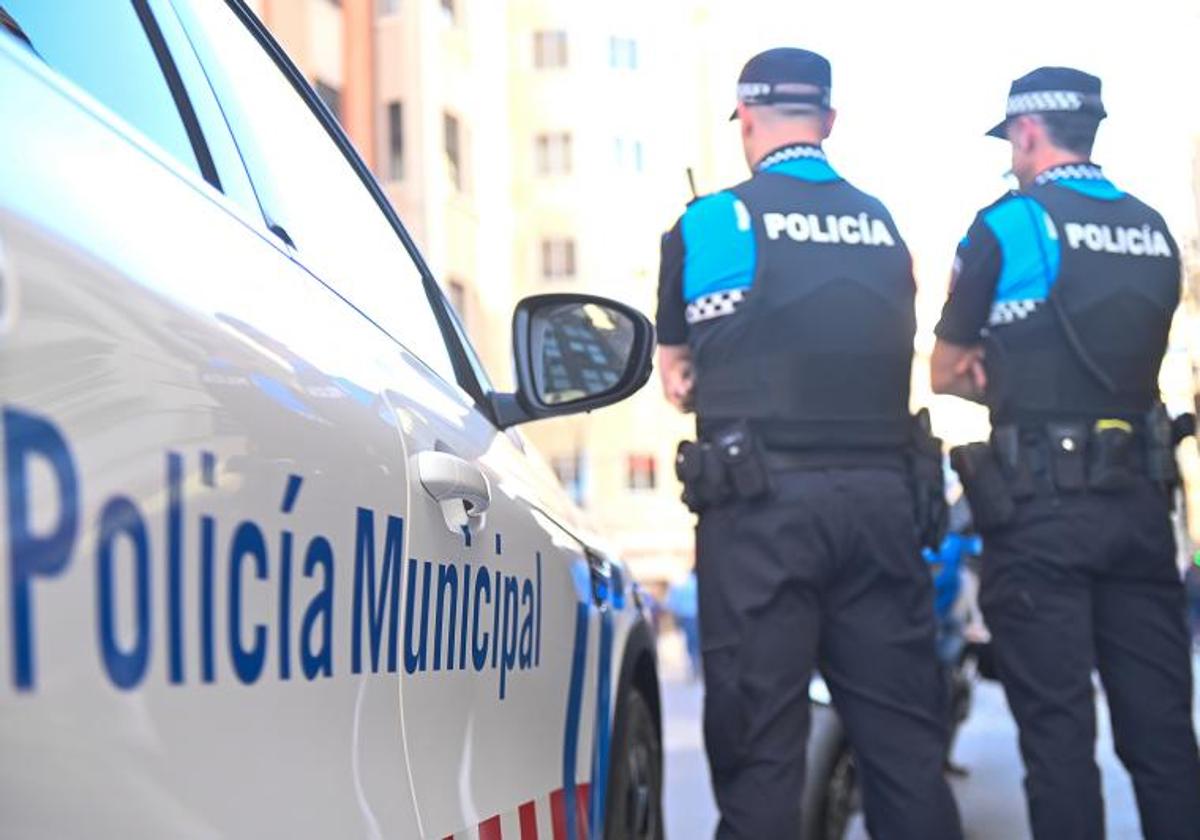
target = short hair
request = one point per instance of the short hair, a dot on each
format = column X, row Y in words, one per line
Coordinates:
column 1072, row 132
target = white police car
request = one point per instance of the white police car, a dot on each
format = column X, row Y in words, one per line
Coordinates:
column 271, row 562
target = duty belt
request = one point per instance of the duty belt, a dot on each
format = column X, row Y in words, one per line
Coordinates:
column 1101, row 455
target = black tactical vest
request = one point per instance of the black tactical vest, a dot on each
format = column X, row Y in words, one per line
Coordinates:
column 1116, row 290
column 819, row 354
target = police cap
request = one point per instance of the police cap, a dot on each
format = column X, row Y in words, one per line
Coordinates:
column 785, row 75
column 1047, row 90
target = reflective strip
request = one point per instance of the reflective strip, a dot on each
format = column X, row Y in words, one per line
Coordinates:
column 600, row 751
column 565, row 817
column 574, row 799
column 490, row 830
column 529, row 821
column 714, row 306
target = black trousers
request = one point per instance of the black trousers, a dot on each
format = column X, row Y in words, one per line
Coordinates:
column 826, row 572
column 1078, row 582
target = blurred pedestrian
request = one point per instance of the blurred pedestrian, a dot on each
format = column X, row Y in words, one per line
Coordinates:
column 1057, row 319
column 683, row 603
column 786, row 321
column 1193, row 592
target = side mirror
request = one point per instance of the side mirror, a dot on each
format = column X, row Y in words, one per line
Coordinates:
column 574, row 353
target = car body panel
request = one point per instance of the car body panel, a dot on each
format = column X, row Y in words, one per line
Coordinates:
column 227, row 450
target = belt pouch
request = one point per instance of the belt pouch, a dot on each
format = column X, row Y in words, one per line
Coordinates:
column 1111, row 456
column 1068, row 454
column 743, row 462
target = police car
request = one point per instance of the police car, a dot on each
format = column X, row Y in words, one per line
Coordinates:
column 273, row 562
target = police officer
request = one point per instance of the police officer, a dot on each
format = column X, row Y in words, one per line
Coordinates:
column 786, row 320
column 1057, row 318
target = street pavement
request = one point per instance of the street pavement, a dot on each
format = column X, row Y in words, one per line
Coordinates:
column 990, row 797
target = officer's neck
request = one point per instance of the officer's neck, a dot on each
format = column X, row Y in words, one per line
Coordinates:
column 769, row 144
column 1047, row 159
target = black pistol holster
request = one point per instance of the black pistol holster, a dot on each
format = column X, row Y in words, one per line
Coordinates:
column 983, row 482
column 928, row 481
column 729, row 467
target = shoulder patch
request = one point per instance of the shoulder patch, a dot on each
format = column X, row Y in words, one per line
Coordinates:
column 718, row 246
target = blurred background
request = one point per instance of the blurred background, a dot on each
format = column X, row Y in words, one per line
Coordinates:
column 535, row 146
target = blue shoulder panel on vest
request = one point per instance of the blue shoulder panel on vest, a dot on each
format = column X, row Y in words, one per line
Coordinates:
column 718, row 246
column 806, row 169
column 1029, row 249
column 1102, row 189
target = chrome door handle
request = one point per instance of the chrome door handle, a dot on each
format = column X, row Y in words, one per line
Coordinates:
column 459, row 487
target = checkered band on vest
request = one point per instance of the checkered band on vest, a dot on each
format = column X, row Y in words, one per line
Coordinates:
column 1071, row 171
column 791, row 153
column 715, row 305
column 1008, row 311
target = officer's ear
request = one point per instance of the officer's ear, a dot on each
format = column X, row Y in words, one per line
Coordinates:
column 1023, row 133
column 745, row 120
column 827, row 121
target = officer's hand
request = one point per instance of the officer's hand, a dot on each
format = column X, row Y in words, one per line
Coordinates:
column 958, row 370
column 678, row 387
column 970, row 369
column 675, row 369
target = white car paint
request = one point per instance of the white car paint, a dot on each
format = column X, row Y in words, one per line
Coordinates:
column 203, row 447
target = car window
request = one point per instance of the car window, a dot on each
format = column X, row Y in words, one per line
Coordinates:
column 313, row 197
column 103, row 46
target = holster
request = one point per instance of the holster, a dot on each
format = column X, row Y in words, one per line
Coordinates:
column 1161, row 466
column 928, row 481
column 983, row 481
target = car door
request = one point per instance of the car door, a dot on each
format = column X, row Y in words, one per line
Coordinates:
column 501, row 644
column 195, row 433
column 484, row 615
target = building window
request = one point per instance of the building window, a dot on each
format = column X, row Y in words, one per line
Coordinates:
column 452, row 132
column 627, row 154
column 549, row 48
column 395, row 127
column 572, row 474
column 450, row 11
column 552, row 153
column 622, row 53
column 331, row 96
column 641, row 472
column 558, row 259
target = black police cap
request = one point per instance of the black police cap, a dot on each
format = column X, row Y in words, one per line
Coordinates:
column 1052, row 90
column 785, row 75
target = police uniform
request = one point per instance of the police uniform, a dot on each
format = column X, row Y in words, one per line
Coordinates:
column 794, row 293
column 1071, row 284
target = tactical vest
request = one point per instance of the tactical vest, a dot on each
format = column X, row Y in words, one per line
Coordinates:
column 1116, row 290
column 819, row 353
